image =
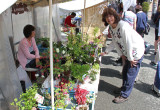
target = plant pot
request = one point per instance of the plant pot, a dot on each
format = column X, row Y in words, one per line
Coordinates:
column 41, row 107
column 67, row 73
column 82, row 107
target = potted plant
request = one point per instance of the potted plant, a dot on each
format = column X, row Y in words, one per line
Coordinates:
column 61, row 96
column 58, row 54
column 81, row 99
column 78, row 70
column 27, row 100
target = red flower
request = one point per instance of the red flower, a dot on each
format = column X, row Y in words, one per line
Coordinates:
column 80, row 95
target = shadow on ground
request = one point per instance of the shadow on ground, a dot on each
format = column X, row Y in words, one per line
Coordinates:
column 105, row 86
column 110, row 73
column 107, row 60
column 145, row 88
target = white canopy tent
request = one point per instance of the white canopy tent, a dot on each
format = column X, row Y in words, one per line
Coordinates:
column 9, row 86
column 4, row 4
column 78, row 4
column 12, row 25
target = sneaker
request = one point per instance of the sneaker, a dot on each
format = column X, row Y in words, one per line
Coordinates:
column 119, row 99
column 153, row 64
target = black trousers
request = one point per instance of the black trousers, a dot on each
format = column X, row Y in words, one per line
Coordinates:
column 32, row 63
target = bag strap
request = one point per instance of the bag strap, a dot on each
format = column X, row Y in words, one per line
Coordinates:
column 123, row 15
column 143, row 21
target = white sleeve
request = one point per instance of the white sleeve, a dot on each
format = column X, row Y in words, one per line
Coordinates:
column 105, row 32
column 127, row 33
column 159, row 28
column 110, row 47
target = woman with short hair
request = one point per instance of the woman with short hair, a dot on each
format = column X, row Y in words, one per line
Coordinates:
column 28, row 53
column 129, row 45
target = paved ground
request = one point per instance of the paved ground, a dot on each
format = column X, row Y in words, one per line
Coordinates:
column 141, row 98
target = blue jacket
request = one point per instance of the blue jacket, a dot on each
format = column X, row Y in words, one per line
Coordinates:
column 141, row 21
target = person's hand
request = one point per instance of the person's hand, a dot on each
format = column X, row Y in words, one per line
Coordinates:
column 124, row 57
column 37, row 60
column 133, row 63
column 99, row 36
column 103, row 53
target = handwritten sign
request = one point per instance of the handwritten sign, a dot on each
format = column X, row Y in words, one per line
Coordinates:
column 19, row 8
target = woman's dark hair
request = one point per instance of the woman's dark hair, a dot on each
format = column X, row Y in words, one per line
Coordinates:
column 27, row 30
column 110, row 11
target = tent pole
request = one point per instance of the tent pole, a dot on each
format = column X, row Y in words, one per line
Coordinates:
column 83, row 17
column 51, row 53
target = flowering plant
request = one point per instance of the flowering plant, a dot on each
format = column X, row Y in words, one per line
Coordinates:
column 62, row 98
column 61, row 94
column 58, row 60
column 81, row 51
column 80, row 95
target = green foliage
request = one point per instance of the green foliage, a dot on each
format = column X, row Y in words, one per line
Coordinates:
column 95, row 31
column 61, row 94
column 73, row 56
column 93, row 71
column 80, row 51
column 60, row 98
column 96, row 66
column 93, row 75
column 145, row 6
column 78, row 70
column 26, row 100
column 44, row 41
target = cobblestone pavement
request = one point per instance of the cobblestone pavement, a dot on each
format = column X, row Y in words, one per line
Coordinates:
column 142, row 97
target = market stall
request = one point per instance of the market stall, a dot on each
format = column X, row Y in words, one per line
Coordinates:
column 81, row 56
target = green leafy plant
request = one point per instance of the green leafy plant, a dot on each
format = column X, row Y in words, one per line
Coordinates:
column 78, row 70
column 92, row 75
column 26, row 100
column 96, row 66
column 62, row 93
column 60, row 97
column 93, row 71
column 145, row 7
column 43, row 41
